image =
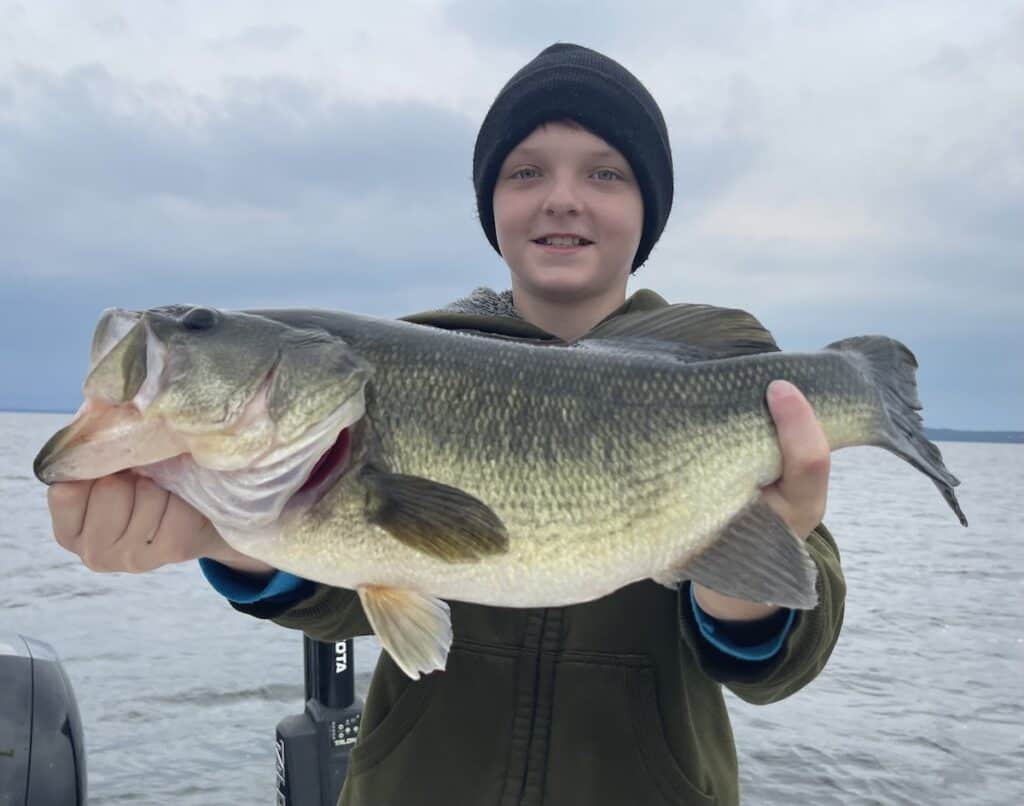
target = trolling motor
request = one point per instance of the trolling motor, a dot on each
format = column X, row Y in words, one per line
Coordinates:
column 313, row 747
column 42, row 753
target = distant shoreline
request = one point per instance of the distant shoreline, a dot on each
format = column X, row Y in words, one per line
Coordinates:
column 957, row 435
column 937, row 434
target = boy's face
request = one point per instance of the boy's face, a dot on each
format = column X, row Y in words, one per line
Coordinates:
column 564, row 180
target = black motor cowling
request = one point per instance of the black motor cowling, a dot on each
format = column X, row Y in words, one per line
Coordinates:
column 42, row 754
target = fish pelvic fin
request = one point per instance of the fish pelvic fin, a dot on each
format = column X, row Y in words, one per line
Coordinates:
column 702, row 332
column 756, row 557
column 415, row 629
column 891, row 367
column 436, row 519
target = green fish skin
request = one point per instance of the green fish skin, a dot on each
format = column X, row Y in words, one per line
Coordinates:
column 414, row 464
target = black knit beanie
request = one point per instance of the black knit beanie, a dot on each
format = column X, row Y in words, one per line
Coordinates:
column 570, row 81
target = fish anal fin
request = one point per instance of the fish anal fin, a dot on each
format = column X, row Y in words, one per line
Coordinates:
column 439, row 520
column 757, row 558
column 414, row 628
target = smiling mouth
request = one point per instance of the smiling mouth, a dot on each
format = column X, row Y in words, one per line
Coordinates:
column 562, row 242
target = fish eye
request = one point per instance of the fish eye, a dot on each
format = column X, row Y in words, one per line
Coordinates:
column 199, row 319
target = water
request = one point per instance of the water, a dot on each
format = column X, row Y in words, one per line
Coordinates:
column 920, row 703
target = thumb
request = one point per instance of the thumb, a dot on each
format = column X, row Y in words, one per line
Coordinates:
column 806, row 457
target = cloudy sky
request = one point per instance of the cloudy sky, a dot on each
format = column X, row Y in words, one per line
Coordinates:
column 841, row 168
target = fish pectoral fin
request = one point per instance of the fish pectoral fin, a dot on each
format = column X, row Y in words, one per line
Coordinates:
column 414, row 628
column 438, row 520
column 720, row 331
column 758, row 558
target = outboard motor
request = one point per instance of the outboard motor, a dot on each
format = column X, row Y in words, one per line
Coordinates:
column 313, row 747
column 42, row 754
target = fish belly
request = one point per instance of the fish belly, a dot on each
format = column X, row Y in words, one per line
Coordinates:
column 562, row 550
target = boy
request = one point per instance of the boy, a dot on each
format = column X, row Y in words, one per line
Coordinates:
column 615, row 701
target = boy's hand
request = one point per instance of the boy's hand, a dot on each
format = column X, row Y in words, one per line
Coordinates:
column 125, row 522
column 799, row 496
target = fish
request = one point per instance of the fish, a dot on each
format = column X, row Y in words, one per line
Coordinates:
column 416, row 464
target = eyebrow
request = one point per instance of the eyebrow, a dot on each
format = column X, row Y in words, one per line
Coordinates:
column 603, row 153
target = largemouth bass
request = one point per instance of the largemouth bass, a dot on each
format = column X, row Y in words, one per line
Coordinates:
column 414, row 464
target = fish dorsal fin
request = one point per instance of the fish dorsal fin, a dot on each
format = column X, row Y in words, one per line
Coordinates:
column 641, row 348
column 547, row 341
column 708, row 331
column 414, row 628
column 485, row 325
column 434, row 518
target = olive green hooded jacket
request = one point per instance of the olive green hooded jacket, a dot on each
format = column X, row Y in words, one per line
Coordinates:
column 611, row 702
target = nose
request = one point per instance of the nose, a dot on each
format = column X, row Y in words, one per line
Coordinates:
column 563, row 198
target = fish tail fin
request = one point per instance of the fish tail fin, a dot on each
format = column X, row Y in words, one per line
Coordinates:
column 892, row 367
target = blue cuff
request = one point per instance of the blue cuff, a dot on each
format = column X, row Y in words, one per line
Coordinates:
column 241, row 588
column 709, row 628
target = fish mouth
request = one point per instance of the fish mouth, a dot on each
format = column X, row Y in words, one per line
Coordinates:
column 102, row 439
column 334, row 463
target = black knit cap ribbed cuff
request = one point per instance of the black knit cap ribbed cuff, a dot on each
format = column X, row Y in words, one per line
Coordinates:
column 570, row 81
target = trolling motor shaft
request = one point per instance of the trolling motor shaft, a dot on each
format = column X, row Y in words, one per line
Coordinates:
column 313, row 747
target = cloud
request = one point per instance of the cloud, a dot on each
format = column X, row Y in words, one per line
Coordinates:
column 268, row 140
column 104, row 172
column 952, row 62
column 534, row 24
column 112, row 25
column 260, row 37
column 797, row 224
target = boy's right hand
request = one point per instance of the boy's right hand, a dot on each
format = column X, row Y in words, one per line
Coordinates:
column 125, row 522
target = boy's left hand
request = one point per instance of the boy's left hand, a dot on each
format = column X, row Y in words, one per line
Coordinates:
column 799, row 495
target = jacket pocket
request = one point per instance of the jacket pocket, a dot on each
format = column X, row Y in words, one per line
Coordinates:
column 397, row 724
column 650, row 737
column 608, row 742
column 444, row 739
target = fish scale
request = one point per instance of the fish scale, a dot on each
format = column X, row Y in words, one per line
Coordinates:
column 567, row 507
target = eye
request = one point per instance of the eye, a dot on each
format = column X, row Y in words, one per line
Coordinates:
column 525, row 173
column 199, row 319
column 606, row 174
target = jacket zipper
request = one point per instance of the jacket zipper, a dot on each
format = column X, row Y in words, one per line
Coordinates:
column 538, row 745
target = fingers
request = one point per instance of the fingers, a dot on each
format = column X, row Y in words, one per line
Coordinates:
column 125, row 522
column 67, row 503
column 135, row 549
column 184, row 533
column 107, row 514
column 149, row 505
column 800, row 495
